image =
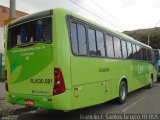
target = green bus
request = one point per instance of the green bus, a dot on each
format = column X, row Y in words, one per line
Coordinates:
column 59, row 60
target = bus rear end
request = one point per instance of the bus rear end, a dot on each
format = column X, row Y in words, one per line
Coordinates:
column 33, row 79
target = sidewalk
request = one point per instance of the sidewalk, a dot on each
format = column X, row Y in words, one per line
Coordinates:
column 2, row 90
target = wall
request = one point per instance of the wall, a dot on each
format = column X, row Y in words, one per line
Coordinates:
column 1, row 38
column 4, row 15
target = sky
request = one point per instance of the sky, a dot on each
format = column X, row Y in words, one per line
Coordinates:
column 119, row 15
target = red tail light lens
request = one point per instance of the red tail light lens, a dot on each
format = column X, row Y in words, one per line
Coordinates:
column 59, row 85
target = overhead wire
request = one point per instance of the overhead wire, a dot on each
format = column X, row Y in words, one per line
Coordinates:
column 108, row 14
column 93, row 13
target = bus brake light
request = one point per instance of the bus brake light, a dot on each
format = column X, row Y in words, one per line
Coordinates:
column 59, row 85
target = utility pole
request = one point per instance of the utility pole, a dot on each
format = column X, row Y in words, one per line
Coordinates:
column 149, row 34
column 12, row 9
column 0, row 65
column 149, row 38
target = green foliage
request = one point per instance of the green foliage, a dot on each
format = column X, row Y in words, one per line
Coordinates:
column 142, row 36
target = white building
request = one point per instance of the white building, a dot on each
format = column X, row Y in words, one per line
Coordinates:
column 4, row 15
column 1, row 38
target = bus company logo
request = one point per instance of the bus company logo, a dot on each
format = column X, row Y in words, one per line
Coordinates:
column 41, row 92
column 103, row 69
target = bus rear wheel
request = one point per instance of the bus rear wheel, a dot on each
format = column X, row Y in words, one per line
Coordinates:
column 151, row 82
column 123, row 90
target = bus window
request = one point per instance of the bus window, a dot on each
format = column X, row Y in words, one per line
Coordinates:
column 129, row 48
column 124, row 49
column 149, row 55
column 157, row 54
column 138, row 53
column 92, row 42
column 100, row 43
column 38, row 30
column 109, row 46
column 74, row 40
column 82, row 40
column 22, row 38
column 134, row 51
column 144, row 54
column 30, row 32
column 117, row 47
column 46, row 31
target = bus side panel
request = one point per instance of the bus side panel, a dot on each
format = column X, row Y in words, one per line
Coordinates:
column 62, row 46
column 62, row 60
column 143, row 74
column 126, row 66
column 96, row 80
column 89, row 81
column 89, row 94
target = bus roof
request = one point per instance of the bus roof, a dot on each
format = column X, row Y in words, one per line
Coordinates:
column 50, row 12
column 120, row 34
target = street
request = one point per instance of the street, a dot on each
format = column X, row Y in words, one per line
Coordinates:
column 141, row 101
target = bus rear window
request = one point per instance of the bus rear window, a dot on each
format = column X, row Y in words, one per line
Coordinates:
column 31, row 32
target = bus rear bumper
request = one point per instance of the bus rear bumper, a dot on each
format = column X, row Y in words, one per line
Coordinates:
column 48, row 102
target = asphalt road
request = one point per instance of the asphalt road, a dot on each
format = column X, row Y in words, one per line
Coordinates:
column 141, row 101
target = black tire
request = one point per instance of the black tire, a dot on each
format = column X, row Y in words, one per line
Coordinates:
column 151, row 83
column 123, row 91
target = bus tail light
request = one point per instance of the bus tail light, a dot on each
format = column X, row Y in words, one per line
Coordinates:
column 59, row 85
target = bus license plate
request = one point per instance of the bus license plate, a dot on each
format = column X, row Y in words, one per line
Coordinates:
column 29, row 102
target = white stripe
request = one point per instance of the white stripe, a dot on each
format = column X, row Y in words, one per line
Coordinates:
column 130, row 106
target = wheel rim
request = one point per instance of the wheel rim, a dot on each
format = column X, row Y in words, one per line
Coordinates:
column 151, row 81
column 123, row 92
